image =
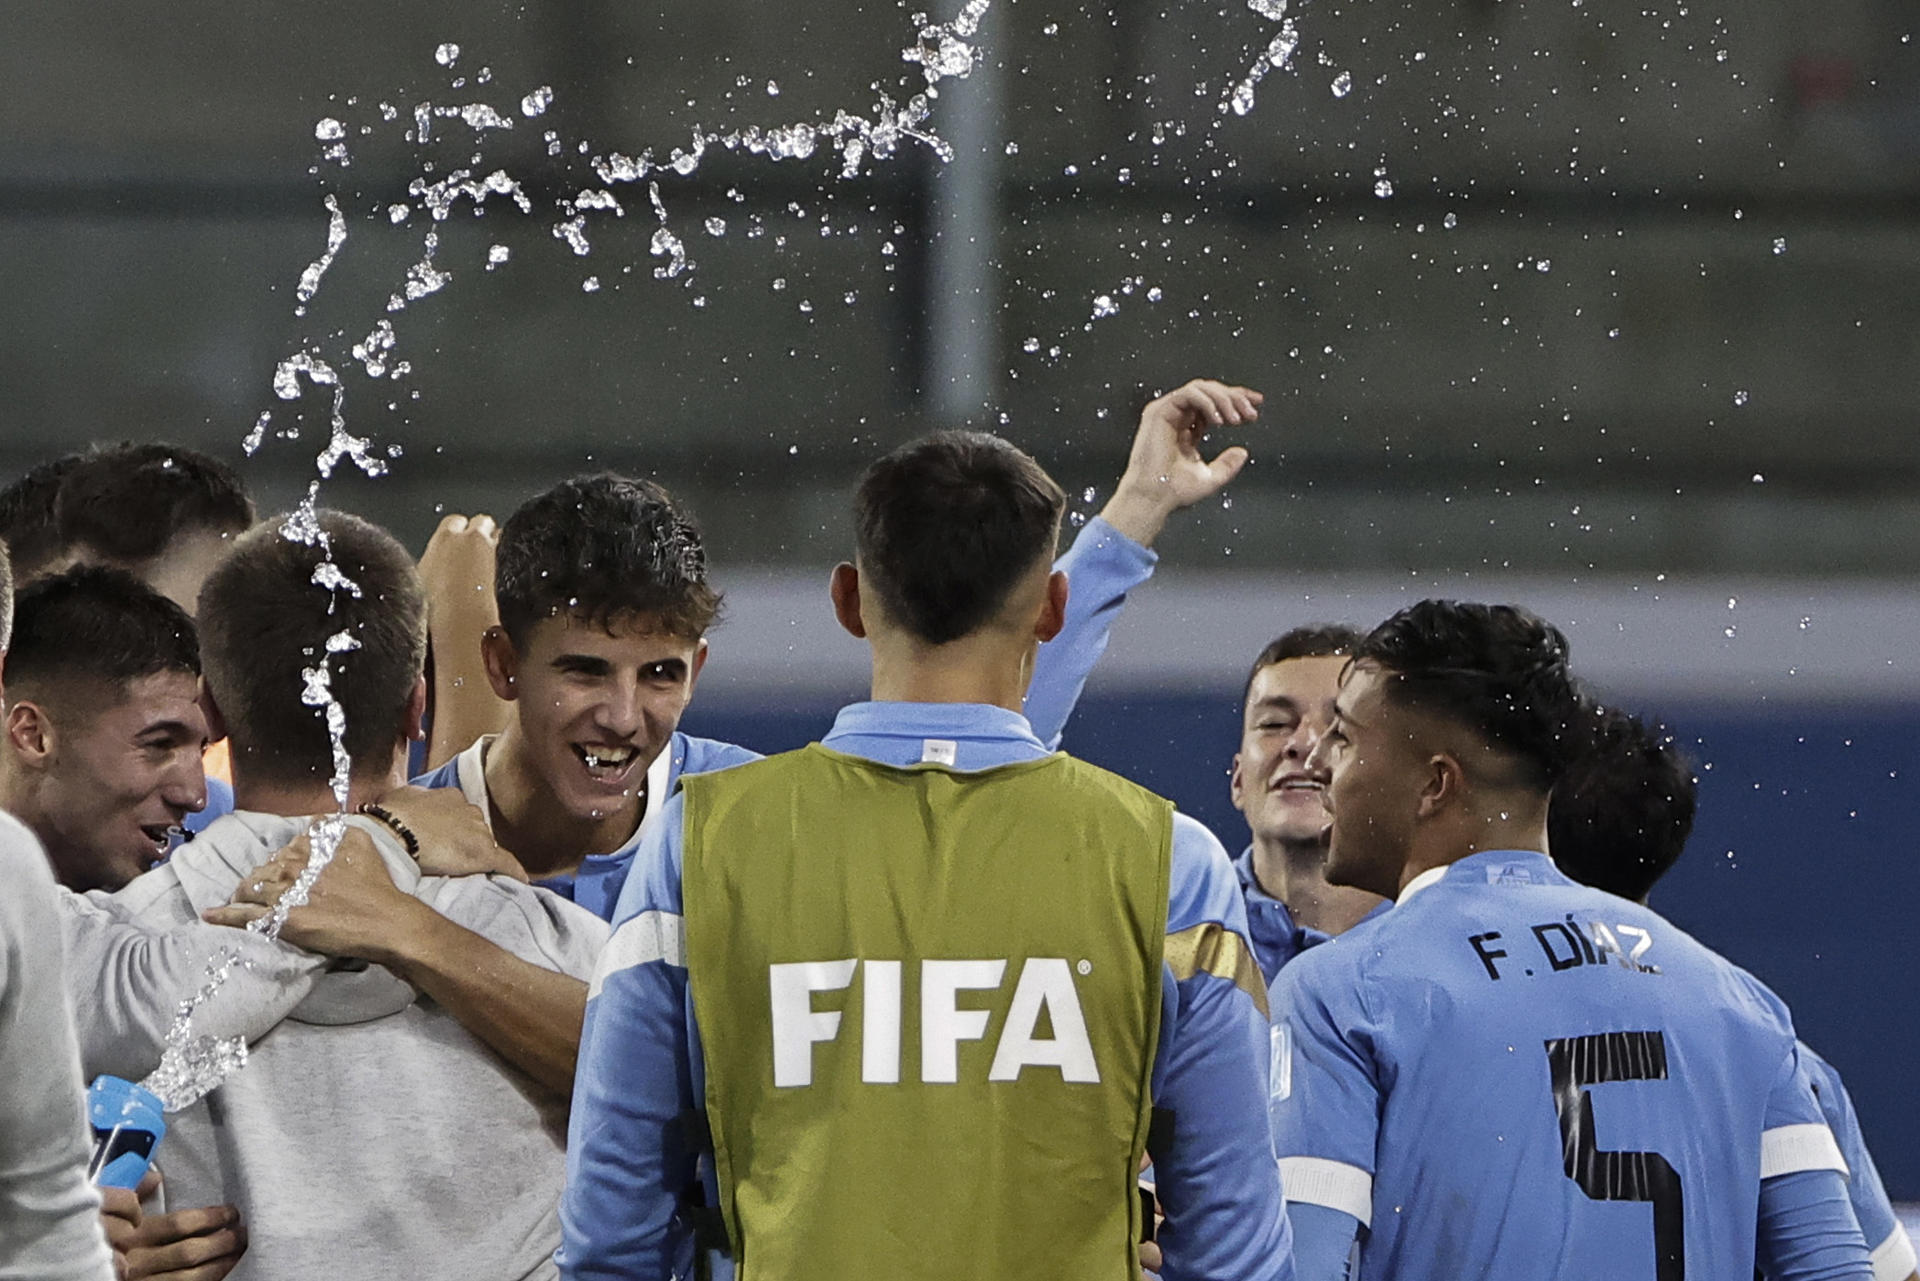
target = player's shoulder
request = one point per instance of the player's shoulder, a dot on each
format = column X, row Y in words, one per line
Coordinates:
column 1202, row 885
column 705, row 755
column 22, row 860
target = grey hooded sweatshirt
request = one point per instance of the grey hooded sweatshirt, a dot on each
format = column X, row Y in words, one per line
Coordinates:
column 370, row 1136
column 49, row 1213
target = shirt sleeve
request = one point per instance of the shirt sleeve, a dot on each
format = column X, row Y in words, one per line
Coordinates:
column 49, row 1213
column 1213, row 1161
column 1325, row 1105
column 1807, row 1231
column 1322, row 1241
column 630, row 1157
column 1102, row 566
column 1893, row 1256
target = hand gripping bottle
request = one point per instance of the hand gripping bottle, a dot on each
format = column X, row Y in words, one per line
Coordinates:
column 127, row 1126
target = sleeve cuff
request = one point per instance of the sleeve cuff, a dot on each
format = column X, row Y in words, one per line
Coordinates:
column 1333, row 1184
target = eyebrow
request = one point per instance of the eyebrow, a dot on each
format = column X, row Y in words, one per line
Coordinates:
column 1279, row 702
column 169, row 729
column 1345, row 715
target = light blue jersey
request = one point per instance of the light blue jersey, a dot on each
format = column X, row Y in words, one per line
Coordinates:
column 1509, row 1075
column 630, row 1160
column 1893, row 1255
column 1102, row 566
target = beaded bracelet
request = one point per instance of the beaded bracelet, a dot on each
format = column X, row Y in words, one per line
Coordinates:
column 382, row 814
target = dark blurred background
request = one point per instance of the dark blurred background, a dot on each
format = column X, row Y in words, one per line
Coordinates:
column 1611, row 307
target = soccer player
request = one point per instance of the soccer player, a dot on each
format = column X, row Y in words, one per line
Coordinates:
column 49, row 1213
column 1509, row 1075
column 103, row 728
column 1286, row 709
column 370, row 1133
column 1619, row 820
column 604, row 604
column 925, row 987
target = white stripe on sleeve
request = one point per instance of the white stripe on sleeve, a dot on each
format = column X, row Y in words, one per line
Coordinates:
column 1789, row 1149
column 1893, row 1258
column 648, row 937
column 1334, row 1184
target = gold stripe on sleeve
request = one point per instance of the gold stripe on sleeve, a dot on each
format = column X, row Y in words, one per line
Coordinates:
column 1212, row 948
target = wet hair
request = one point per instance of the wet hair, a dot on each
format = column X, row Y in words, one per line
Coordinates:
column 1621, row 814
column 947, row 525
column 28, row 526
column 125, row 504
column 605, row 550
column 264, row 623
column 1314, row 640
column 1498, row 670
column 6, row 601
column 94, row 630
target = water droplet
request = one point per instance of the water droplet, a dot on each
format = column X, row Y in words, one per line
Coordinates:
column 1779, row 244
column 1030, row 345
column 1104, row 306
column 447, row 54
column 773, row 88
column 537, row 102
column 716, row 226
column 1740, row 397
column 1759, row 479
column 1450, row 221
column 1544, row 265
column 497, row 254
column 1342, row 85
column 327, row 129
column 590, row 285
column 1013, row 148
column 779, row 283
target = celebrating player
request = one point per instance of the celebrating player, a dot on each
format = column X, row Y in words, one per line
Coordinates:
column 920, row 990
column 1510, row 1075
column 1619, row 820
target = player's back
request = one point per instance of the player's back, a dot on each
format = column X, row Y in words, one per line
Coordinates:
column 1540, row 1079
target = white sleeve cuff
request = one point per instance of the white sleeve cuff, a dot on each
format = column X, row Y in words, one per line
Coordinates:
column 1789, row 1149
column 1893, row 1258
column 1333, row 1184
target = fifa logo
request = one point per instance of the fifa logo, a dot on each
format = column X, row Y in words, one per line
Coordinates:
column 1045, row 986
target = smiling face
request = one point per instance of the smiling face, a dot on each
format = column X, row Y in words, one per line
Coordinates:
column 595, row 707
column 1289, row 707
column 116, row 779
column 1376, row 760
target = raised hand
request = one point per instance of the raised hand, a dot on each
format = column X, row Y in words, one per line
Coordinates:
column 1166, row 469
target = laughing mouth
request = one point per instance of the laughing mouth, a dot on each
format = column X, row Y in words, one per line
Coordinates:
column 606, row 762
column 161, row 834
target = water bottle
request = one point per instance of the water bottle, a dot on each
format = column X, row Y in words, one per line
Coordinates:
column 128, row 1123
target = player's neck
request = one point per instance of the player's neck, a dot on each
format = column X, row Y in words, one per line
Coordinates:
column 529, row 820
column 982, row 668
column 1295, row 872
column 1520, row 825
column 297, row 798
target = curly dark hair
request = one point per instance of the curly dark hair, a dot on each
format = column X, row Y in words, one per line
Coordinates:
column 946, row 526
column 1500, row 670
column 1622, row 813
column 604, row 549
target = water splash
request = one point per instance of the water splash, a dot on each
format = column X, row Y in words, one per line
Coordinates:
column 336, row 237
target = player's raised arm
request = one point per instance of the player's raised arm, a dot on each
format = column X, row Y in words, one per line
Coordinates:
column 1167, row 470
column 457, row 572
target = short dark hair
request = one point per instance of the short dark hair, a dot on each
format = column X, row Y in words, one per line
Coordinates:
column 1499, row 670
column 125, row 503
column 96, row 625
column 1621, row 814
column 28, row 526
column 1313, row 640
column 6, row 600
column 947, row 525
column 263, row 622
column 603, row 549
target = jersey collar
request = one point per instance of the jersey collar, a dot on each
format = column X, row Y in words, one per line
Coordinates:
column 1497, row 866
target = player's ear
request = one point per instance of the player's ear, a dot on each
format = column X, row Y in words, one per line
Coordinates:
column 699, row 663
column 30, row 734
column 502, row 662
column 844, row 588
column 216, row 719
column 1053, row 613
column 1444, row 785
column 416, row 726
column 1237, row 785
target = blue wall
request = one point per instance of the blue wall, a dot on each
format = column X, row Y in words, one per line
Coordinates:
column 1818, row 899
